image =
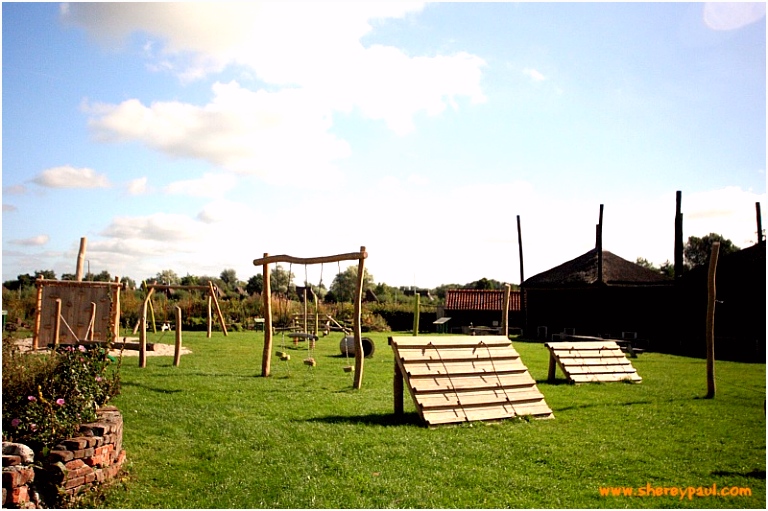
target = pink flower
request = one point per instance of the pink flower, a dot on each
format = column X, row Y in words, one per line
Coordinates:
column 81, row 348
column 33, row 426
column 60, row 401
column 98, row 378
column 15, row 423
column 32, row 398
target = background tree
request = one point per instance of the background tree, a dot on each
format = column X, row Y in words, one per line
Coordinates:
column 229, row 277
column 697, row 250
column 667, row 268
column 168, row 277
column 485, row 283
column 344, row 285
column 255, row 284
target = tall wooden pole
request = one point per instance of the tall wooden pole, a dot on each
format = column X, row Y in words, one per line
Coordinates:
column 416, row 313
column 359, row 355
column 678, row 235
column 81, row 260
column 115, row 312
column 760, row 238
column 710, row 330
column 57, row 324
column 177, row 347
column 210, row 315
column 38, row 312
column 522, row 275
column 505, row 311
column 143, row 333
column 266, row 296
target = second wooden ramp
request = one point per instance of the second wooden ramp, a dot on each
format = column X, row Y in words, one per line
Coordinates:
column 591, row 361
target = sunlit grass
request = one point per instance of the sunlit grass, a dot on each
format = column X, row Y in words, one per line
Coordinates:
column 213, row 433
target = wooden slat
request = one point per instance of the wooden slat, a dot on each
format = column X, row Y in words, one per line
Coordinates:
column 595, row 361
column 459, row 368
column 484, row 381
column 464, row 353
column 499, row 396
column 447, row 342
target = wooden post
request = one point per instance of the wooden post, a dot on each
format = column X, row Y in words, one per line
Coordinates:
column 397, row 388
column 57, row 324
column 317, row 312
column 306, row 312
column 177, row 350
column 218, row 309
column 678, row 264
column 143, row 332
column 760, row 239
column 210, row 316
column 266, row 295
column 505, row 311
column 522, row 276
column 710, row 329
column 416, row 313
column 115, row 313
column 80, row 260
column 38, row 312
column 552, row 367
column 359, row 355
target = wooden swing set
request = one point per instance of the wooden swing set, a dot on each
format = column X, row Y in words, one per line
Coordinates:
column 265, row 261
column 146, row 306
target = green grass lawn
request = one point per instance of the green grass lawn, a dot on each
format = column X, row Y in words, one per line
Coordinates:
column 213, row 433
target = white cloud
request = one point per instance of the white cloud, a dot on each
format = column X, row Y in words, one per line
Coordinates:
column 210, row 185
column 137, row 186
column 9, row 208
column 71, row 177
column 15, row 190
column 311, row 48
column 34, row 241
column 281, row 136
column 159, row 227
column 732, row 15
column 534, row 75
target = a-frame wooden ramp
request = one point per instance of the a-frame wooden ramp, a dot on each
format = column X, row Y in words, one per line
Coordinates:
column 456, row 379
column 590, row 361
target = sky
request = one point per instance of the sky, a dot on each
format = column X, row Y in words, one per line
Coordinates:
column 196, row 137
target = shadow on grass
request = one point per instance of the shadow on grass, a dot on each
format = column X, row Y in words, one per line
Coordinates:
column 756, row 473
column 147, row 387
column 374, row 419
column 594, row 405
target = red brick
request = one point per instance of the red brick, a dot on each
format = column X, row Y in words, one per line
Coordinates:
column 11, row 479
column 20, row 495
column 71, row 483
column 83, row 453
column 62, row 456
column 10, row 460
column 74, row 464
column 89, row 478
column 27, row 474
column 74, row 444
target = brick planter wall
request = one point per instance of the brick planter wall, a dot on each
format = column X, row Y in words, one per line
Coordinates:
column 74, row 465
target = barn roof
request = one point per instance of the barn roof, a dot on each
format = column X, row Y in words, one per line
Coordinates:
column 583, row 271
column 480, row 299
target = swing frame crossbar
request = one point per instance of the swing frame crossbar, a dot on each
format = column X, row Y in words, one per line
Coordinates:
column 267, row 299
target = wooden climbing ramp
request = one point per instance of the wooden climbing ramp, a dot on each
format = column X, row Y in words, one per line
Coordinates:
column 456, row 379
column 590, row 361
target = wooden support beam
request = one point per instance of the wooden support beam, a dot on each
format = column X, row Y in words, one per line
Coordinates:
column 143, row 333
column 57, row 324
column 212, row 290
column 177, row 347
column 266, row 295
column 710, row 328
column 38, row 313
column 267, row 259
column 397, row 388
column 359, row 355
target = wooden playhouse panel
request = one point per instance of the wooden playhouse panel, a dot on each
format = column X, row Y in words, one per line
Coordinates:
column 76, row 312
column 460, row 379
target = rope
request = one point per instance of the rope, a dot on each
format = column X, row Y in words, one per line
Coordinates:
column 498, row 378
column 450, row 380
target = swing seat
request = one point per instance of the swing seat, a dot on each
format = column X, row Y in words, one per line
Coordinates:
column 310, row 362
column 285, row 357
column 348, row 369
column 302, row 335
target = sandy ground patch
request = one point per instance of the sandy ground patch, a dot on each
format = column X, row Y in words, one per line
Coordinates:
column 131, row 348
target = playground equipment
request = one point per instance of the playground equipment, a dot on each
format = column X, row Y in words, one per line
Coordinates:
column 461, row 378
column 88, row 311
column 267, row 297
column 147, row 305
column 590, row 361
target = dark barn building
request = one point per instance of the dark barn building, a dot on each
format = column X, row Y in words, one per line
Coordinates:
column 599, row 294
column 739, row 309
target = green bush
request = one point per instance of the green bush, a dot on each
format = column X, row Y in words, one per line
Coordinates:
column 47, row 396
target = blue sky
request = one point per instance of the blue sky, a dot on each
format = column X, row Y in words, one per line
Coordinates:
column 196, row 137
